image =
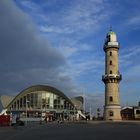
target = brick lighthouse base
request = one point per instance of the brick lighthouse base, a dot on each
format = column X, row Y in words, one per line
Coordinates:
column 112, row 113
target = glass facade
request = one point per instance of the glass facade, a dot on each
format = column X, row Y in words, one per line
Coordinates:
column 37, row 103
column 40, row 100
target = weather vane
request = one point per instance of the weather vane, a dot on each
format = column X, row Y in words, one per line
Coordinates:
column 110, row 28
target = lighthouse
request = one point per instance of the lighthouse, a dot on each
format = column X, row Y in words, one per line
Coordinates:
column 111, row 78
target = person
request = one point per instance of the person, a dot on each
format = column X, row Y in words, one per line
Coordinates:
column 13, row 120
column 17, row 120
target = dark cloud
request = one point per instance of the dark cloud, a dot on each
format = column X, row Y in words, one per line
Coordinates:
column 25, row 57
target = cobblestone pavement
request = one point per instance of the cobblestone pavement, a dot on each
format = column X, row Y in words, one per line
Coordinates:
column 73, row 131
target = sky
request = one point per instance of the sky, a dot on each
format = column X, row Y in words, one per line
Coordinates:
column 60, row 43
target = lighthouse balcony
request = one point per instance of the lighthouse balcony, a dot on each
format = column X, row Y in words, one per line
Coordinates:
column 111, row 45
column 111, row 76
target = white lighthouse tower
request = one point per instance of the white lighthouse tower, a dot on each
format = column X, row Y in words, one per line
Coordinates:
column 111, row 78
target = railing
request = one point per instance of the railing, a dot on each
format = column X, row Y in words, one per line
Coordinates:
column 109, row 76
column 112, row 45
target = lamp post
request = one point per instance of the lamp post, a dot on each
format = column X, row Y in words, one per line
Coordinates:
column 75, row 110
column 41, row 110
column 26, row 111
column 90, row 113
column 84, row 103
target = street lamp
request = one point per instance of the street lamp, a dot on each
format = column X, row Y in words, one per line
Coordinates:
column 75, row 112
column 26, row 110
column 90, row 113
column 84, row 103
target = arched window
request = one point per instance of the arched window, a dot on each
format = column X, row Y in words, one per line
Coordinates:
column 111, row 113
column 110, row 53
column 110, row 71
column 109, row 38
column 110, row 98
column 110, row 62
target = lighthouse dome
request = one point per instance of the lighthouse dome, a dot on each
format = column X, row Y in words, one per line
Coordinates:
column 111, row 40
column 111, row 36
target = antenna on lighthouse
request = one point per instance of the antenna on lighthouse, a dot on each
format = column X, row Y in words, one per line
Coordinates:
column 110, row 28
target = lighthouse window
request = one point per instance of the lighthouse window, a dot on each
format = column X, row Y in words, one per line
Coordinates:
column 110, row 98
column 110, row 53
column 111, row 72
column 110, row 62
column 111, row 113
column 109, row 39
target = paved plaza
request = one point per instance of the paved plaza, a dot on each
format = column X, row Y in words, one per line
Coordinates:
column 72, row 131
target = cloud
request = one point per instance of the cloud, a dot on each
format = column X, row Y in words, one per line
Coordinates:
column 130, row 67
column 26, row 58
column 30, row 5
column 132, row 76
column 55, row 29
column 68, row 51
column 72, row 48
column 85, row 67
column 83, row 15
column 127, row 54
column 69, row 18
column 129, row 57
column 135, row 20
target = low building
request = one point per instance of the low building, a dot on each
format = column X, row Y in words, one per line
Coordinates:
column 137, row 112
column 127, row 113
column 131, row 112
column 40, row 101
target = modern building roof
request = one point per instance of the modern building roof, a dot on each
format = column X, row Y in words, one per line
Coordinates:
column 41, row 88
column 5, row 100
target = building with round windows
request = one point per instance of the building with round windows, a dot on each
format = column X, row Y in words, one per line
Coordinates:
column 40, row 101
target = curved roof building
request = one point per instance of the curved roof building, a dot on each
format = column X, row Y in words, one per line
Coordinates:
column 39, row 99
